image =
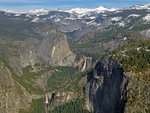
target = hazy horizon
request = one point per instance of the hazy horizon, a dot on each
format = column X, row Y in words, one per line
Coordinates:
column 25, row 5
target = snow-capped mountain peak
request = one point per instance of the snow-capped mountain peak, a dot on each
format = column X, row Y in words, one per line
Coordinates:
column 139, row 7
column 38, row 12
column 8, row 11
column 80, row 12
column 88, row 10
column 101, row 8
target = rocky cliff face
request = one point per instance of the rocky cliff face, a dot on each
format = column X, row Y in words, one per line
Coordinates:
column 84, row 63
column 12, row 96
column 106, row 88
column 59, row 98
column 54, row 49
column 20, row 55
column 51, row 49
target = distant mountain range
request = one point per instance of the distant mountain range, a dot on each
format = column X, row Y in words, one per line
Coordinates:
column 81, row 20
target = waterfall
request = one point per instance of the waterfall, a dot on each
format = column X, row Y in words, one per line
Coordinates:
column 84, row 66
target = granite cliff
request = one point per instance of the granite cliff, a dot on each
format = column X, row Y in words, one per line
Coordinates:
column 105, row 90
column 13, row 95
column 111, row 90
column 53, row 48
column 50, row 49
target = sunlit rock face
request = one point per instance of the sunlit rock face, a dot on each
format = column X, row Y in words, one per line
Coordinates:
column 53, row 48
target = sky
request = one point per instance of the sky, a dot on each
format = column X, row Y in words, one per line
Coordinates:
column 25, row 5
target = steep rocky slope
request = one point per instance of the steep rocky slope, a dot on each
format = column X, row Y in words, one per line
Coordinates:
column 54, row 49
column 20, row 55
column 134, row 58
column 138, row 96
column 111, row 90
column 13, row 96
column 106, row 88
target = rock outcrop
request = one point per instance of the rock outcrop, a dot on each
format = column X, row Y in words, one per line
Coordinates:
column 105, row 90
column 59, row 98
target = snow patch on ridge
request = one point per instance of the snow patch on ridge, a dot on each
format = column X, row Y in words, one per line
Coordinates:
column 147, row 18
column 116, row 19
column 121, row 24
column 17, row 14
column 35, row 20
column 134, row 15
column 139, row 7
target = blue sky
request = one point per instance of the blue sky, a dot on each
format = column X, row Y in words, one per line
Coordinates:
column 24, row 5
